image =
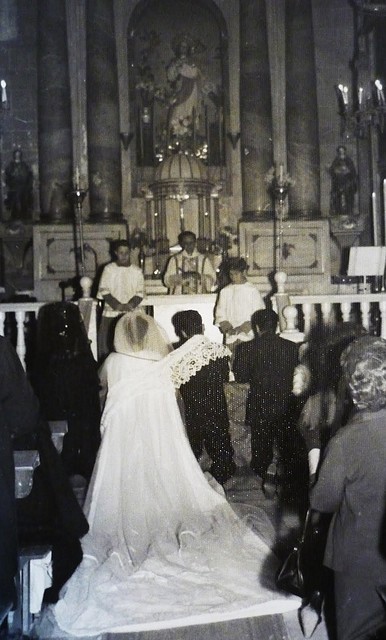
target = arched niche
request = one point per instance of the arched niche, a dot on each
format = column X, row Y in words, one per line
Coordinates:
column 178, row 81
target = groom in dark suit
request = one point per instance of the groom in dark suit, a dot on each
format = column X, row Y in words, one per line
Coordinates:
column 267, row 362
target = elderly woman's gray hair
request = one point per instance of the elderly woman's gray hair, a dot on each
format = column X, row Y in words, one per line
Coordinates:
column 364, row 368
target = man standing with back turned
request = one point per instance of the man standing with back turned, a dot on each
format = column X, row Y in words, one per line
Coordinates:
column 267, row 362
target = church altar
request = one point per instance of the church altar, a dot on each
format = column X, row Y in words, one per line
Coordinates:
column 299, row 247
column 163, row 308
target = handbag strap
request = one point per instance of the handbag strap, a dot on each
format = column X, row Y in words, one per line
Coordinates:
column 305, row 525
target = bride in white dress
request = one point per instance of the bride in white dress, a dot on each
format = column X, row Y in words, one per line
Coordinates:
column 164, row 549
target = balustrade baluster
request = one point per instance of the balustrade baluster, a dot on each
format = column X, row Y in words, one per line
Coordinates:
column 291, row 331
column 345, row 308
column 327, row 316
column 307, row 311
column 382, row 310
column 20, row 340
column 365, row 313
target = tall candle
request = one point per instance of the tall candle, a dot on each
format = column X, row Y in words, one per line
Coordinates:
column 3, row 91
column 281, row 173
column 360, row 97
column 380, row 94
column 77, row 177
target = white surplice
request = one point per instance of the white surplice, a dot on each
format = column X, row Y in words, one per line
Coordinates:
column 165, row 549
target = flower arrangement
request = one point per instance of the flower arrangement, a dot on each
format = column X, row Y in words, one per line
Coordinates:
column 278, row 183
column 138, row 238
column 273, row 178
column 228, row 237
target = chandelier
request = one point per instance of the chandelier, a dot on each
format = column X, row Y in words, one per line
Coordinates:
column 364, row 108
column 369, row 7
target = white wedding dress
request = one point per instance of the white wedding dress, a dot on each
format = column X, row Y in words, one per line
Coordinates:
column 165, row 549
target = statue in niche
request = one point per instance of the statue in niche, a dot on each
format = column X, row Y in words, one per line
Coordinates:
column 344, row 184
column 184, row 78
column 179, row 99
column 19, row 182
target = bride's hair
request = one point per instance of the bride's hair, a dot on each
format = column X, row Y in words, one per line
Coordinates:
column 136, row 332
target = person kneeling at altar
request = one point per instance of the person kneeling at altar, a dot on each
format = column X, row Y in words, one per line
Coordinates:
column 189, row 271
column 203, row 367
column 161, row 533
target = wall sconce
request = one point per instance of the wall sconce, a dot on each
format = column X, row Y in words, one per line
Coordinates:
column 126, row 138
column 233, row 138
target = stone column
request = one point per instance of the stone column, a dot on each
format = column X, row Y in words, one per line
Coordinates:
column 76, row 44
column 302, row 111
column 54, row 112
column 255, row 105
column 104, row 159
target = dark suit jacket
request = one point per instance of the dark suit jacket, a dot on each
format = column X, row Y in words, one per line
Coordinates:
column 204, row 396
column 52, row 502
column 18, row 415
column 352, row 484
column 267, row 362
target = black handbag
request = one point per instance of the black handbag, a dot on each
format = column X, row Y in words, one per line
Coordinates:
column 291, row 577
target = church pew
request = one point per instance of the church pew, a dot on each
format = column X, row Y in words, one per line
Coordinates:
column 25, row 463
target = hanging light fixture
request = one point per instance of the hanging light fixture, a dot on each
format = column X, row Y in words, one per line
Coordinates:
column 362, row 108
column 364, row 105
column 371, row 8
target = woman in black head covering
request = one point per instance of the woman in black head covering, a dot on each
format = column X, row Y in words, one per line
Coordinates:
column 66, row 382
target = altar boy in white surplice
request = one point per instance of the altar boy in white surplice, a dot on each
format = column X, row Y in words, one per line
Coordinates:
column 236, row 303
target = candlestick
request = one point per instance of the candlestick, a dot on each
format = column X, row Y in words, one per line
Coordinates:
column 384, row 212
column 77, row 196
column 375, row 226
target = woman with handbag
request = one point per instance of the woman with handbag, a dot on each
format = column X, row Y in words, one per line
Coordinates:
column 352, row 485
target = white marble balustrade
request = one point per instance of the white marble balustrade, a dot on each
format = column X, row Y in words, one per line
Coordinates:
column 22, row 312
column 298, row 311
column 368, row 308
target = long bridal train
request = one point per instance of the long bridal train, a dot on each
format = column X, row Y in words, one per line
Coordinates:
column 165, row 549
